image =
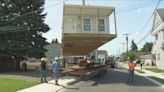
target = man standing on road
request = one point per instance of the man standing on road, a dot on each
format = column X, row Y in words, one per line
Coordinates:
column 56, row 70
column 43, row 70
column 141, row 63
column 131, row 72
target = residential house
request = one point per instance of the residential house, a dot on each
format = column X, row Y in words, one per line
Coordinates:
column 158, row 33
column 85, row 28
column 148, row 59
column 54, row 50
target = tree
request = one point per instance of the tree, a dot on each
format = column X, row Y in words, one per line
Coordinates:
column 134, row 46
column 132, row 55
column 21, row 28
column 53, row 41
column 56, row 40
column 147, row 47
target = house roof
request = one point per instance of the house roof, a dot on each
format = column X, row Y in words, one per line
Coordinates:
column 161, row 13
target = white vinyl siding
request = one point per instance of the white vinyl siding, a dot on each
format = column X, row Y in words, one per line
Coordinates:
column 101, row 25
column 158, row 56
column 86, row 24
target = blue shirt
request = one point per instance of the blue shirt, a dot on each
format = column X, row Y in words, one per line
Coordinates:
column 55, row 66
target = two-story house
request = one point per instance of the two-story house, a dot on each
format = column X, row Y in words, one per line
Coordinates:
column 158, row 32
column 53, row 50
column 85, row 28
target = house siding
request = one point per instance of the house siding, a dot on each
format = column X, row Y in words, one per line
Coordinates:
column 54, row 50
column 158, row 32
column 73, row 24
column 160, row 62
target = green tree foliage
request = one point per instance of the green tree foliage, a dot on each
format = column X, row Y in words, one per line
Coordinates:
column 147, row 47
column 134, row 46
column 21, row 28
column 132, row 55
column 56, row 40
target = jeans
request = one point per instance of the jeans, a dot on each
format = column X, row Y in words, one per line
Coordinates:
column 43, row 76
column 130, row 77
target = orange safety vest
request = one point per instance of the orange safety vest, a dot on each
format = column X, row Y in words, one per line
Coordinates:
column 131, row 66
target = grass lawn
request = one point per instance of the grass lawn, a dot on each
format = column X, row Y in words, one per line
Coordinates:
column 157, row 70
column 12, row 85
column 140, row 71
column 157, row 79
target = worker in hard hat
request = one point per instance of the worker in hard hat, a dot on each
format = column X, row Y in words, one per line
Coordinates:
column 56, row 70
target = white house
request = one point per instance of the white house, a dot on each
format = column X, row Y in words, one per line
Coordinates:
column 158, row 32
column 85, row 28
column 53, row 50
column 149, row 59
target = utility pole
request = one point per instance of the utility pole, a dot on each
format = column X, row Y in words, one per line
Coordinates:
column 123, row 46
column 83, row 2
column 118, row 52
column 126, row 35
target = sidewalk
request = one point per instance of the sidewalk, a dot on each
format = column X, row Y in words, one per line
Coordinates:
column 147, row 73
column 50, row 86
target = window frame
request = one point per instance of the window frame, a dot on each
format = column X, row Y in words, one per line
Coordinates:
column 158, row 56
column 98, row 25
column 90, row 24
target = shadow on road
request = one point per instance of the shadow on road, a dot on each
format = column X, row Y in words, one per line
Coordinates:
column 120, row 76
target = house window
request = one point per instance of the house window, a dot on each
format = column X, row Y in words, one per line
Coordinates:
column 101, row 25
column 158, row 56
column 87, row 24
column 156, row 37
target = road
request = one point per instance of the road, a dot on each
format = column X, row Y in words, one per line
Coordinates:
column 115, row 81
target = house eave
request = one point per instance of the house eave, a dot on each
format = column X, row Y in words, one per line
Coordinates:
column 87, row 10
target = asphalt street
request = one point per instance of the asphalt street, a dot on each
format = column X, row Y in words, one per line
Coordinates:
column 115, row 80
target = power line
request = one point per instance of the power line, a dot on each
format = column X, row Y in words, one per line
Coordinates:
column 135, row 15
column 148, row 19
column 147, row 24
column 36, row 10
column 148, row 33
column 131, row 9
column 17, row 29
column 8, row 29
column 63, row 2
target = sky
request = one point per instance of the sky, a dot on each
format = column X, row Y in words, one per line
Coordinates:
column 132, row 16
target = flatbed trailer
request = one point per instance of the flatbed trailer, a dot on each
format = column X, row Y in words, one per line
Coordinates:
column 97, row 71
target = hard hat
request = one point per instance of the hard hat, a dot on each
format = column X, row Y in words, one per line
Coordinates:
column 43, row 59
column 56, row 58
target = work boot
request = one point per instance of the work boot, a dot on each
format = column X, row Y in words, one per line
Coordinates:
column 56, row 83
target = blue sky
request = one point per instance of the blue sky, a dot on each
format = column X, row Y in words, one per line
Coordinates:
column 131, row 16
